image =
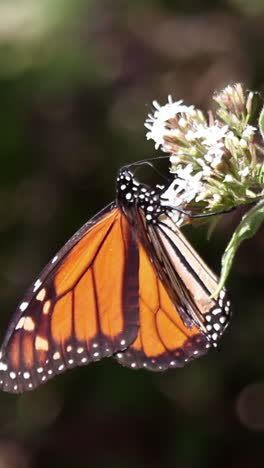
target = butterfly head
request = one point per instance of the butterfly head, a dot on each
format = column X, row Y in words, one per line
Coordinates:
column 132, row 194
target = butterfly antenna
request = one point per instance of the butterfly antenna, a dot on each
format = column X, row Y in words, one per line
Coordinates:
column 200, row 215
column 149, row 162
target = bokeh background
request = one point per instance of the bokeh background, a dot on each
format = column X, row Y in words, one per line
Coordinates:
column 77, row 78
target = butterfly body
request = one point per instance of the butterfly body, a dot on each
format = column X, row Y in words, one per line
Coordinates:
column 127, row 284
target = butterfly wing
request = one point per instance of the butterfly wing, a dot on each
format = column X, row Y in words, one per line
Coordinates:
column 179, row 319
column 163, row 340
column 192, row 281
column 83, row 307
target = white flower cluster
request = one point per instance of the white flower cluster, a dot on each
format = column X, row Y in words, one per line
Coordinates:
column 185, row 187
column 156, row 123
column 199, row 149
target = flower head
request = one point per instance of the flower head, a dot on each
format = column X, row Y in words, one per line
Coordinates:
column 156, row 123
column 214, row 160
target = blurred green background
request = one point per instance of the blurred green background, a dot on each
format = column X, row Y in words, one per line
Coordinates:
column 77, row 79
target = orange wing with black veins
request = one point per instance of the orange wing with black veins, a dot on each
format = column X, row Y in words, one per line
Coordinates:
column 163, row 340
column 83, row 307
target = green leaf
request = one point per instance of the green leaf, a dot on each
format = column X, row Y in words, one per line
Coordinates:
column 260, row 175
column 261, row 123
column 247, row 227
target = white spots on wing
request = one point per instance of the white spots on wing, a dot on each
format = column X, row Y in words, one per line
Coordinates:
column 23, row 306
column 123, row 187
column 96, row 354
column 54, row 259
column 208, row 345
column 123, row 342
column 46, row 307
column 41, row 295
column 172, row 363
column 3, row 366
column 12, row 375
column 61, row 367
column 216, row 311
column 120, row 355
column 95, row 345
column 84, row 359
column 15, row 387
column 71, row 361
column 217, row 317
column 195, row 352
column 56, row 355
column 40, row 370
column 29, row 324
column 20, row 323
column 37, row 285
column 128, row 196
column 150, row 208
column 69, row 348
column 26, row 375
column 222, row 294
column 144, row 364
column 41, row 344
column 133, row 365
column 30, row 385
column 43, row 378
column 50, row 371
column 148, row 217
column 80, row 350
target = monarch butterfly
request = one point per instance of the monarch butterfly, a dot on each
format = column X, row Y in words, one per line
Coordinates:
column 128, row 284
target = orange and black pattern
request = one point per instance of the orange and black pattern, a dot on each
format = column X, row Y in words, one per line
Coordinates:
column 163, row 340
column 117, row 288
column 69, row 319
